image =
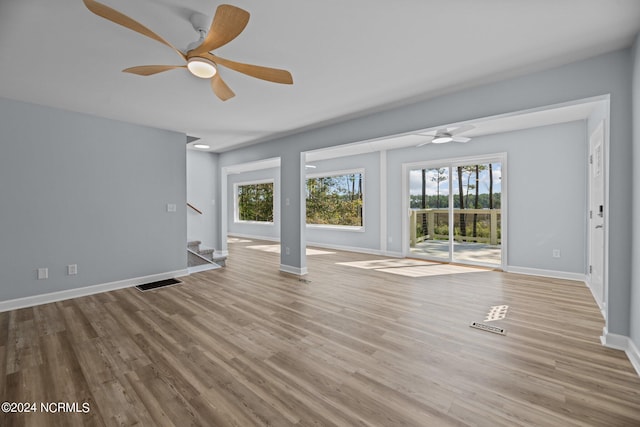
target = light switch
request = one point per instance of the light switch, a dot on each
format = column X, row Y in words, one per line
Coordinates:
column 43, row 273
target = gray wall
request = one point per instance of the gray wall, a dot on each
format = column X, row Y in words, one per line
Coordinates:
column 605, row 74
column 76, row 189
column 258, row 230
column 547, row 180
column 201, row 193
column 547, row 197
column 635, row 291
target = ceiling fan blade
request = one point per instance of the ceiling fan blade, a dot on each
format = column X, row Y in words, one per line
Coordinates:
column 428, row 141
column 461, row 129
column 113, row 15
column 220, row 88
column 461, row 139
column 227, row 24
column 264, row 73
column 148, row 70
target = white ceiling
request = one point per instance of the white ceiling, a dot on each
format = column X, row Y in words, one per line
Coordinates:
column 347, row 57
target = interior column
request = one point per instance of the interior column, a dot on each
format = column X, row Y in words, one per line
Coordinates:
column 293, row 258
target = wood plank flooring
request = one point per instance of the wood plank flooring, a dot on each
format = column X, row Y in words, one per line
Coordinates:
column 356, row 344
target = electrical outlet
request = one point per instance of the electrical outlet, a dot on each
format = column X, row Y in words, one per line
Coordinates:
column 171, row 207
column 287, row 251
column 72, row 269
column 556, row 253
column 43, row 273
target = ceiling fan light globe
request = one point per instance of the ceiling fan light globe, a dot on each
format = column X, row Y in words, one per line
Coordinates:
column 201, row 67
column 441, row 139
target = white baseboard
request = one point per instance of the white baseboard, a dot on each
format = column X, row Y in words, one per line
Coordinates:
column 618, row 342
column 31, row 301
column 634, row 356
column 356, row 249
column 203, row 267
column 394, row 254
column 254, row 237
column 624, row 343
column 587, row 281
column 218, row 253
column 298, row 271
column 546, row 273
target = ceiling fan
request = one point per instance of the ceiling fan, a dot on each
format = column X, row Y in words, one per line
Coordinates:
column 228, row 22
column 444, row 135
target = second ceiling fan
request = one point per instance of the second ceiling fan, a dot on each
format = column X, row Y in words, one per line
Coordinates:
column 228, row 22
column 449, row 134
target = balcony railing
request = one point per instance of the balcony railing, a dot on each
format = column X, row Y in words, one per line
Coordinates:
column 434, row 225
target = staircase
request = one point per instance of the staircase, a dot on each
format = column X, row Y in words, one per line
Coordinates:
column 200, row 259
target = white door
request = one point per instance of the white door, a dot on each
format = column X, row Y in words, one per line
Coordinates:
column 596, row 215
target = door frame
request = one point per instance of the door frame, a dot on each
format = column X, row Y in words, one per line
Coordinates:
column 602, row 303
column 453, row 162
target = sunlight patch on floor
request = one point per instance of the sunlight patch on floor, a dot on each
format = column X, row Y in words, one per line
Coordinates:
column 429, row 270
column 385, row 263
column 409, row 267
column 237, row 240
column 276, row 250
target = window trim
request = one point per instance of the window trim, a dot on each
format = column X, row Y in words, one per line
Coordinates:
column 500, row 157
column 337, row 227
column 236, row 209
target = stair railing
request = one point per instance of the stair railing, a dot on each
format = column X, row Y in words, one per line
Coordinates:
column 194, row 208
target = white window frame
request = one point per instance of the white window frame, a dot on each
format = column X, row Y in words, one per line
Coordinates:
column 236, row 210
column 356, row 228
column 452, row 163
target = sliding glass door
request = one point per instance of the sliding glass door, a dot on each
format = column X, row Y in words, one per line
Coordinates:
column 455, row 211
column 429, row 213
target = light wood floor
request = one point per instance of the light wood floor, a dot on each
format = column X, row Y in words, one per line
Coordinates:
column 351, row 345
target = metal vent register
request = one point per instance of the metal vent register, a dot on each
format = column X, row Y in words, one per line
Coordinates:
column 488, row 328
column 497, row 312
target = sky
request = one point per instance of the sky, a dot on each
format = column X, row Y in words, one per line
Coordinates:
column 415, row 180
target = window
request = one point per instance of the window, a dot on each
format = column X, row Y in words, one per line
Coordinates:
column 335, row 199
column 254, row 202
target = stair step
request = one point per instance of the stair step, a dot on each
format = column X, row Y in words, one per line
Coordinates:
column 205, row 254
column 194, row 259
column 220, row 260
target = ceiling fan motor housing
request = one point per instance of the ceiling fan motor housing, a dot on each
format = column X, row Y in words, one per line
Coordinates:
column 200, row 22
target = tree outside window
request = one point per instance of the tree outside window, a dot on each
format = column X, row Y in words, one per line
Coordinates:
column 255, row 202
column 335, row 200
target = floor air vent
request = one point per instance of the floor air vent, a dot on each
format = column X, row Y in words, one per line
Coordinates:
column 156, row 285
column 488, row 328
